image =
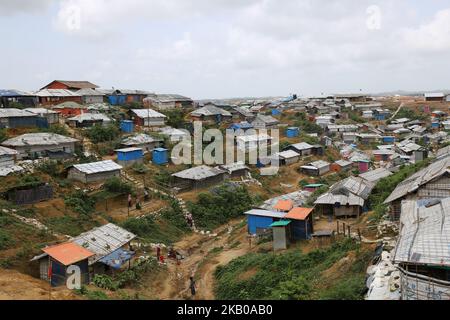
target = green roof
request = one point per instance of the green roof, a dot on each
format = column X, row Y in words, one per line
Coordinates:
column 282, row 223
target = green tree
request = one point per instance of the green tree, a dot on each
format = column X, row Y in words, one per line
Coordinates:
column 99, row 133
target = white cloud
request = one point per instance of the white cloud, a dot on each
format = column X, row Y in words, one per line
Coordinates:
column 431, row 36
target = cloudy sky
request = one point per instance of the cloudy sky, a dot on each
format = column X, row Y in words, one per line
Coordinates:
column 228, row 48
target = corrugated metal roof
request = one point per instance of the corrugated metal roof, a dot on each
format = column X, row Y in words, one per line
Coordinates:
column 425, row 234
column 299, row 213
column 343, row 200
column 90, row 117
column 299, row 199
column 302, row 146
column 319, row 164
column 288, row 154
column 375, row 175
column 77, row 84
column 210, row 110
column 97, row 167
column 240, row 165
column 244, row 111
column 174, row 132
column 40, row 111
column 265, row 119
column 254, row 137
column 68, row 253
column 265, row 213
column 284, row 205
column 7, row 151
column 138, row 139
column 355, row 185
column 198, row 173
column 38, row 139
column 147, row 113
column 104, row 240
column 128, row 150
column 10, row 113
column 411, row 184
column 164, row 98
column 90, row 92
column 343, row 163
column 14, row 93
column 443, row 152
column 434, row 95
column 56, row 93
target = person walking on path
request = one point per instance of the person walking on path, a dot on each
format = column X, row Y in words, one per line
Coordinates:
column 146, row 195
column 129, row 200
column 158, row 252
column 138, row 204
column 192, row 286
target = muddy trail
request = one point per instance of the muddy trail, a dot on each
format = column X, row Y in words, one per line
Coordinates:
column 202, row 255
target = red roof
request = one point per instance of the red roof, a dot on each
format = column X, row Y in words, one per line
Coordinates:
column 299, row 213
column 284, row 205
column 68, row 253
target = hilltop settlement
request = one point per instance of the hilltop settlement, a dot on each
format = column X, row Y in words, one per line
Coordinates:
column 359, row 207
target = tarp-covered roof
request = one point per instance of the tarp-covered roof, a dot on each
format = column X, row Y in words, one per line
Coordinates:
column 425, row 233
column 414, row 182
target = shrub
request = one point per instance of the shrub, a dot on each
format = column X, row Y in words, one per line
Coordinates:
column 49, row 167
column 116, row 185
column 80, row 202
column 6, row 240
column 100, row 133
column 56, row 128
column 226, row 203
column 3, row 135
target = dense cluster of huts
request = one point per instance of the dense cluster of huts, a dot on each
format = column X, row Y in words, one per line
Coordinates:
column 369, row 151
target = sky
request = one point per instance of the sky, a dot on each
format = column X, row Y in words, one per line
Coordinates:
column 228, row 48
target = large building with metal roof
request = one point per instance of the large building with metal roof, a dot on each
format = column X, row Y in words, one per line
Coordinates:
column 94, row 171
column 32, row 145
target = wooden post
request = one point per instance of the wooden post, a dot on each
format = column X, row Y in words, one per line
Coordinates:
column 359, row 234
column 337, row 226
column 349, row 235
column 343, row 227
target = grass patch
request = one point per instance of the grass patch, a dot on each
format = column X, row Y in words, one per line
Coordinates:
column 293, row 275
column 72, row 226
column 217, row 208
column 168, row 228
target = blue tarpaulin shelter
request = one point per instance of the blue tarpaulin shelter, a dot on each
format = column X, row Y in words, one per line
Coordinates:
column 117, row 258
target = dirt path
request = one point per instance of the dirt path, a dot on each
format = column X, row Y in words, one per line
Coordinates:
column 203, row 255
column 397, row 111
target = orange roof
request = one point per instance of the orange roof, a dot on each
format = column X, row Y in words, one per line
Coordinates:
column 284, row 205
column 68, row 253
column 299, row 213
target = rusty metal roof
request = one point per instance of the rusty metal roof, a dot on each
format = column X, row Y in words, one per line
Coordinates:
column 68, row 253
column 299, row 213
